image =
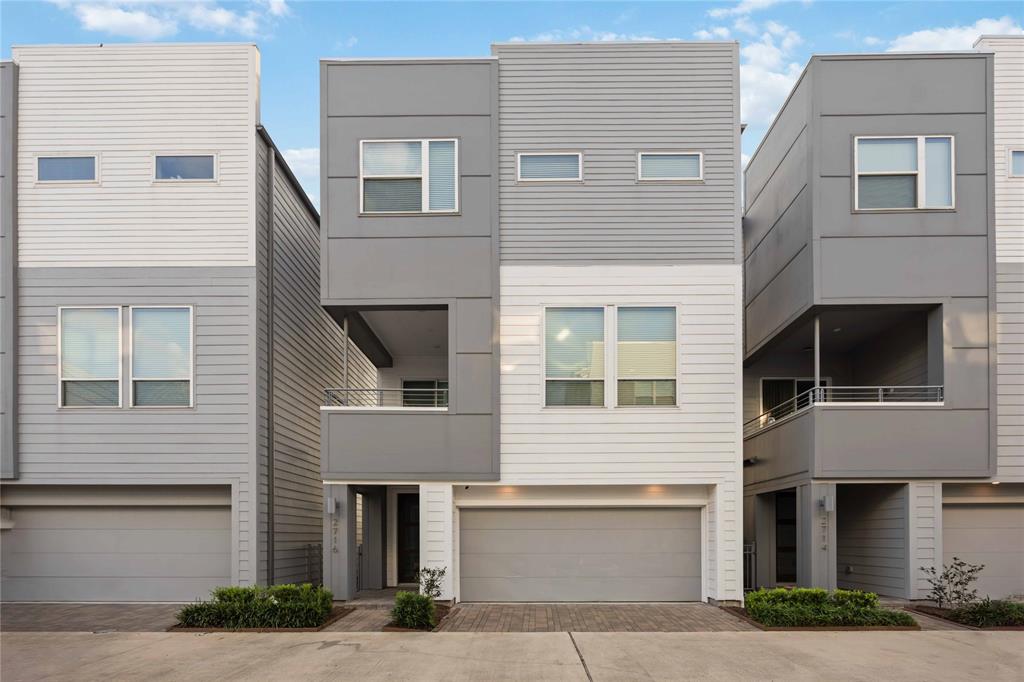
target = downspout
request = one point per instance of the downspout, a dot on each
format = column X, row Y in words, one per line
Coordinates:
column 269, row 189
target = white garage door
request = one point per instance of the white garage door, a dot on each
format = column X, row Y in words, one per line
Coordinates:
column 579, row 555
column 989, row 534
column 115, row 553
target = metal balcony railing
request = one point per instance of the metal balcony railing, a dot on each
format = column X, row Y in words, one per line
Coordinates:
column 386, row 397
column 843, row 394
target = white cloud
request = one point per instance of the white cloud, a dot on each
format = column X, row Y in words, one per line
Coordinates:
column 745, row 25
column 305, row 164
column 582, row 33
column 954, row 37
column 743, row 8
column 767, row 73
column 153, row 19
column 716, row 32
column 872, row 41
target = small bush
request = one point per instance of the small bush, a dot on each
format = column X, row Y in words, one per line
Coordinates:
column 990, row 613
column 414, row 611
column 812, row 607
column 952, row 587
column 430, row 580
column 278, row 606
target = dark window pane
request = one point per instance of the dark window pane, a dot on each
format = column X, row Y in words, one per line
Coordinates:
column 634, row 392
column 67, row 168
column 774, row 393
column 184, row 168
column 161, row 393
column 887, row 191
column 392, row 196
column 90, row 394
column 424, row 393
column 570, row 393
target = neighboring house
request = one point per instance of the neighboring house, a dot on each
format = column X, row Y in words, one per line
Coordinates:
column 163, row 346
column 870, row 442
column 577, row 207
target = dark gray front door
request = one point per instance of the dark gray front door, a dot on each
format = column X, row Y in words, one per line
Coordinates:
column 408, row 540
column 585, row 554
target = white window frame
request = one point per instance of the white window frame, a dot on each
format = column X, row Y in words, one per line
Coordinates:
column 1009, row 161
column 60, row 359
column 578, row 178
column 544, row 358
column 700, row 166
column 193, row 181
column 423, row 176
column 95, row 156
column 919, row 173
column 615, row 357
column 192, row 359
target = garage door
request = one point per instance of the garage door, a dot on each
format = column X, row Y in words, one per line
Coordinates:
column 579, row 555
column 990, row 534
column 115, row 553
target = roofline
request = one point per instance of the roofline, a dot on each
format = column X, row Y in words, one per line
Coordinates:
column 167, row 44
column 998, row 36
column 652, row 41
column 289, row 174
column 909, row 53
column 408, row 60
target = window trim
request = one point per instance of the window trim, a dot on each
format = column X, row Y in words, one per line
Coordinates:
column 60, row 358
column 423, row 177
column 615, row 358
column 192, row 359
column 544, row 358
column 1009, row 162
column 95, row 156
column 700, row 166
column 920, row 173
column 190, row 181
column 579, row 167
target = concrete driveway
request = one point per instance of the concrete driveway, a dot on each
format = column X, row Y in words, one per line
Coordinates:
column 514, row 656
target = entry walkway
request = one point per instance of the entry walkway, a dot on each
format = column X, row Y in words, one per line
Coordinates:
column 591, row 618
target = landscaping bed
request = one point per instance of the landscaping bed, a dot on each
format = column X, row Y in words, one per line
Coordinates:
column 817, row 609
column 279, row 608
column 441, row 610
column 988, row 614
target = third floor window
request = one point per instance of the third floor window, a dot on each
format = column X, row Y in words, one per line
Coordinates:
column 904, row 173
column 408, row 176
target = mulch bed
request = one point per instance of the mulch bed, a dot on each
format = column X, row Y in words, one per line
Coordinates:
column 741, row 613
column 337, row 613
column 442, row 612
column 943, row 614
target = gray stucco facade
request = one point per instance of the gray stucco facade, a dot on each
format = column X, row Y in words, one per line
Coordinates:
column 445, row 261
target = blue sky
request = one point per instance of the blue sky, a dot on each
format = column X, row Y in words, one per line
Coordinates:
column 776, row 38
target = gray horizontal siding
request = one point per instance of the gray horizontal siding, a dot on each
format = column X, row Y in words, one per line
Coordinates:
column 609, row 102
column 8, row 271
column 871, row 538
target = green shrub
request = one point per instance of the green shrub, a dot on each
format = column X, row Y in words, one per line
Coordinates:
column 278, row 606
column 990, row 613
column 414, row 611
column 810, row 607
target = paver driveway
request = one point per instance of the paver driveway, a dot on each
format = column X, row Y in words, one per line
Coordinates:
column 42, row 617
column 591, row 618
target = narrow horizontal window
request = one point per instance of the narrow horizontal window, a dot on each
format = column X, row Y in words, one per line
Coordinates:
column 161, row 351
column 670, row 166
column 66, row 169
column 1017, row 163
column 895, row 173
column 90, row 357
column 195, row 167
column 574, row 357
column 550, row 166
column 646, row 356
column 408, row 176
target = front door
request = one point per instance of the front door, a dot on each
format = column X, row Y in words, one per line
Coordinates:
column 408, row 539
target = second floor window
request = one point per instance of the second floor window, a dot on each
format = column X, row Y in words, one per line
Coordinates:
column 549, row 167
column 161, row 339
column 408, row 176
column 1016, row 163
column 89, row 371
column 904, row 173
column 646, row 356
column 424, row 393
column 574, row 357
column 655, row 166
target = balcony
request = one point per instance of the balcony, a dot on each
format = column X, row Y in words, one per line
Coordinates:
column 422, row 413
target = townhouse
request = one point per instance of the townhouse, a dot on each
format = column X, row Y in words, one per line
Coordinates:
column 882, row 265
column 163, row 346
column 539, row 251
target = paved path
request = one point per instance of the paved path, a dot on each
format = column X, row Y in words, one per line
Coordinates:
column 154, row 657
column 38, row 617
column 591, row 618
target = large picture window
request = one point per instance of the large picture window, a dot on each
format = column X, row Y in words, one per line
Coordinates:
column 408, row 176
column 90, row 357
column 904, row 173
column 161, row 365
column 574, row 357
column 646, row 356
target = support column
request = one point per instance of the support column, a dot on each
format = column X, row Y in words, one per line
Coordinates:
column 816, row 535
column 924, row 534
column 339, row 547
column 437, row 532
column 817, row 357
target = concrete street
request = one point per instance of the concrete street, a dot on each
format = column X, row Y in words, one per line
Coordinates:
column 962, row 655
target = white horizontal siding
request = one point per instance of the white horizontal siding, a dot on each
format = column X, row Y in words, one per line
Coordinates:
column 124, row 103
column 697, row 442
column 1009, row 199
